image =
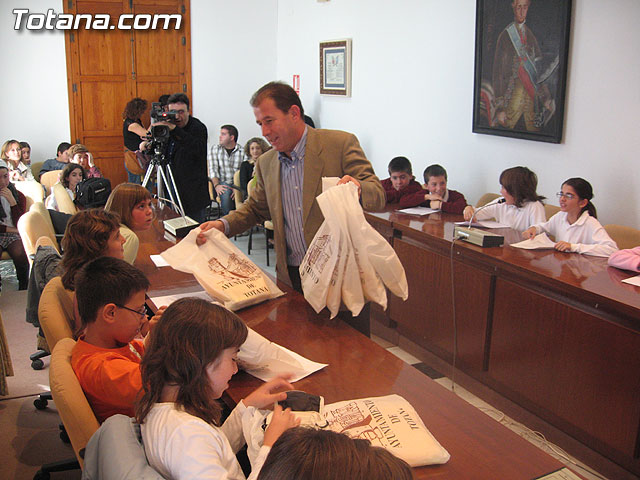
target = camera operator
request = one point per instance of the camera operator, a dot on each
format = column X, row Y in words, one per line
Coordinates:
column 186, row 153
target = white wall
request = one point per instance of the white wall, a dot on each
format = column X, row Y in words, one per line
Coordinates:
column 233, row 53
column 412, row 87
column 35, row 102
column 413, row 70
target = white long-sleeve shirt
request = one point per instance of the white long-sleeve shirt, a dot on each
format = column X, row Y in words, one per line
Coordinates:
column 586, row 235
column 519, row 219
column 180, row 446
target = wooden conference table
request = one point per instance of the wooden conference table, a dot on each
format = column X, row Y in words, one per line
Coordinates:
column 556, row 333
column 480, row 447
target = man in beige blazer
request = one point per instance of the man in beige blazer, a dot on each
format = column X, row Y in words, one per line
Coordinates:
column 326, row 153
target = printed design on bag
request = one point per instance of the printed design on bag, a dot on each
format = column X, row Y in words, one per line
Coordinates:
column 317, row 257
column 236, row 268
column 370, row 424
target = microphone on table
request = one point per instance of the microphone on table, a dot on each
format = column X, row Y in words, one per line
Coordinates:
column 179, row 227
column 499, row 201
column 477, row 236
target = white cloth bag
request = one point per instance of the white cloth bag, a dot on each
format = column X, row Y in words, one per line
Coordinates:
column 389, row 422
column 348, row 255
column 347, row 278
column 379, row 252
column 345, row 198
column 226, row 274
column 318, row 264
column 329, row 272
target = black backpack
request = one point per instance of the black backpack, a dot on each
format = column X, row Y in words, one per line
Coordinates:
column 93, row 192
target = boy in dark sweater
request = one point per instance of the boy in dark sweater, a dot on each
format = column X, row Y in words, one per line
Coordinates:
column 435, row 193
column 401, row 181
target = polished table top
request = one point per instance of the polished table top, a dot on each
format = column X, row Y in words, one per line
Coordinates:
column 480, row 447
column 586, row 277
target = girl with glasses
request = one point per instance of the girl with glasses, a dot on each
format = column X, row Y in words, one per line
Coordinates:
column 575, row 226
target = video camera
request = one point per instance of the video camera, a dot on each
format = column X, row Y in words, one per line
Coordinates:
column 159, row 114
column 158, row 141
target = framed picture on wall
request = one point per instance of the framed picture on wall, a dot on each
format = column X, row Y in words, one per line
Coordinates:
column 522, row 49
column 335, row 67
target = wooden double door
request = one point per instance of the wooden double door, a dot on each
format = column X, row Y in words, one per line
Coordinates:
column 107, row 68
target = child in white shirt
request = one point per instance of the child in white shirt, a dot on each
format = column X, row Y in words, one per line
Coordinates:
column 575, row 227
column 187, row 364
column 70, row 177
column 522, row 205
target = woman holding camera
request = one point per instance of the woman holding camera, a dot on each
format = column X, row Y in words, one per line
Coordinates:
column 132, row 132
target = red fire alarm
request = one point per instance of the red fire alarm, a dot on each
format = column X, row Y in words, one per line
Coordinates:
column 296, row 83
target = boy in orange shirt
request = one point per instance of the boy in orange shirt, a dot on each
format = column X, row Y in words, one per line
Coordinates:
column 111, row 298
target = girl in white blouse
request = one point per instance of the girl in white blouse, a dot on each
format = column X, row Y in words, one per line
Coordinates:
column 575, row 227
column 189, row 360
column 522, row 205
column 70, row 177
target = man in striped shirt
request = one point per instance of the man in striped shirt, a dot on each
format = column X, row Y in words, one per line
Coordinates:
column 224, row 160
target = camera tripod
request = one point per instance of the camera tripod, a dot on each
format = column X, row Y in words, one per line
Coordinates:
column 162, row 168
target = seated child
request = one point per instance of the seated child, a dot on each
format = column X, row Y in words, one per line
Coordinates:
column 89, row 234
column 81, row 155
column 628, row 259
column 25, row 148
column 190, row 358
column 106, row 358
column 58, row 163
column 72, row 174
column 437, row 195
column 13, row 204
column 133, row 203
column 575, row 227
column 400, row 181
column 521, row 207
column 11, row 153
column 326, row 455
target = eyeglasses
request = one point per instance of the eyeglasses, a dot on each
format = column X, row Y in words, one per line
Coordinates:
column 142, row 311
column 568, row 196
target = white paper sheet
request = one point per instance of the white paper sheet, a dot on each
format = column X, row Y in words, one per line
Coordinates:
column 539, row 242
column 266, row 360
column 484, row 224
column 418, row 211
column 159, row 261
column 633, row 281
column 169, row 299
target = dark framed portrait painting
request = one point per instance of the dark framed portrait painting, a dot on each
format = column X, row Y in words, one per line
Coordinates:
column 522, row 49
